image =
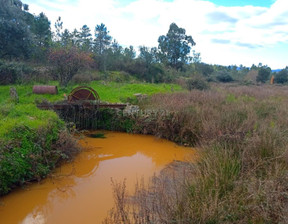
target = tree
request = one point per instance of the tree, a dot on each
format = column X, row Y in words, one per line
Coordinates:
column 102, row 39
column 68, row 61
column 175, row 47
column 263, row 74
column 58, row 26
column 152, row 70
column 129, row 53
column 66, row 39
column 42, row 36
column 203, row 68
column 282, row 76
column 101, row 43
column 85, row 38
column 16, row 38
column 148, row 55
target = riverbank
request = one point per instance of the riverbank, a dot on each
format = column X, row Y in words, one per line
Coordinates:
column 33, row 141
column 80, row 191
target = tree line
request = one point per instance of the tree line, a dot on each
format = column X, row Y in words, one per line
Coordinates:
column 28, row 37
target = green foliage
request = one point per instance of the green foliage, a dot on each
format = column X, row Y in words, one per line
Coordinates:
column 202, row 68
column 110, row 119
column 263, row 74
column 85, row 38
column 22, row 35
column 197, row 83
column 101, row 43
column 224, row 77
column 13, row 72
column 175, row 46
column 29, row 156
column 282, row 76
column 42, row 37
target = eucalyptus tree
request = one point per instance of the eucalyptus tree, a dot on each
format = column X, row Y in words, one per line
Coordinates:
column 175, row 47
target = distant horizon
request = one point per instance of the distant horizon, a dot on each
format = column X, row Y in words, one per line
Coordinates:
column 226, row 32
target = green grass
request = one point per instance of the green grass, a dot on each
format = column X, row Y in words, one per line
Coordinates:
column 110, row 91
column 26, row 113
column 119, row 92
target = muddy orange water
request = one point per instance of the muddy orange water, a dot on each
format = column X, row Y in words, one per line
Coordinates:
column 80, row 191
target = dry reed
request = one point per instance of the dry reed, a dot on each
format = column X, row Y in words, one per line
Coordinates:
column 242, row 176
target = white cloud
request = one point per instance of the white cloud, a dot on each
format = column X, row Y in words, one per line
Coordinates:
column 223, row 35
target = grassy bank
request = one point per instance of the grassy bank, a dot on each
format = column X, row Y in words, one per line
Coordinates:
column 33, row 141
column 242, row 176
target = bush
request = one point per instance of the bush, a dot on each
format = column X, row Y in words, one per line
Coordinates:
column 224, row 77
column 81, row 78
column 13, row 72
column 197, row 83
column 263, row 74
column 281, row 77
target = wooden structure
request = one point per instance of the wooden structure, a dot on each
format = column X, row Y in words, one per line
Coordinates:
column 82, row 107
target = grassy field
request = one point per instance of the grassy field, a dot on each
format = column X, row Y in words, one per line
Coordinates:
column 26, row 113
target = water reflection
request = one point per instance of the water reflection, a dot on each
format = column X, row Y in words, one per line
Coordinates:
column 80, row 192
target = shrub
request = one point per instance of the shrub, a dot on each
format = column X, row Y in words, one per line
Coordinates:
column 281, row 77
column 263, row 74
column 13, row 72
column 224, row 77
column 197, row 83
column 81, row 78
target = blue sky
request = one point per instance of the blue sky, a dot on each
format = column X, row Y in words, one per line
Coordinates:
column 226, row 32
column 263, row 3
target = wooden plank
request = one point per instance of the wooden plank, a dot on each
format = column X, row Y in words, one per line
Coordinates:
column 90, row 106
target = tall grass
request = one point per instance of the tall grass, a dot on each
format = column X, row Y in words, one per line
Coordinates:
column 241, row 176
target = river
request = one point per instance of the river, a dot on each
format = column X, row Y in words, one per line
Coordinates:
column 80, row 191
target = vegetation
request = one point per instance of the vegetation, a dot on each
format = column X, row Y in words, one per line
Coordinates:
column 263, row 74
column 68, row 61
column 175, row 47
column 241, row 176
column 240, row 131
column 282, row 76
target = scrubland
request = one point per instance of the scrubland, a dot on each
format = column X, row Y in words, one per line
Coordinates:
column 241, row 175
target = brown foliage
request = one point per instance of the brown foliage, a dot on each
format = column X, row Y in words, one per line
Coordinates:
column 242, row 176
column 68, row 61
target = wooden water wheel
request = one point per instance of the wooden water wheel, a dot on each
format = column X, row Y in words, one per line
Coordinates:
column 83, row 93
